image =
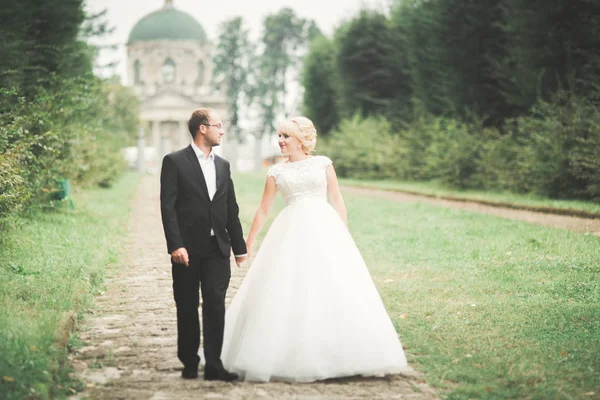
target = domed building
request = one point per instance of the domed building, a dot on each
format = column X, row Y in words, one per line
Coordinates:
column 169, row 65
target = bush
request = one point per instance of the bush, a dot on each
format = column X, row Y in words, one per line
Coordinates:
column 554, row 151
column 364, row 148
column 444, row 150
column 75, row 131
column 13, row 192
column 559, row 155
column 499, row 167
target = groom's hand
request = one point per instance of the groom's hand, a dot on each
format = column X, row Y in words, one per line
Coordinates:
column 180, row 256
column 240, row 260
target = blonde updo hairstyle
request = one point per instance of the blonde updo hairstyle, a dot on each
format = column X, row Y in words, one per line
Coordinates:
column 302, row 129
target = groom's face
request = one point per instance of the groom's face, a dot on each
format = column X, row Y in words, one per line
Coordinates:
column 214, row 129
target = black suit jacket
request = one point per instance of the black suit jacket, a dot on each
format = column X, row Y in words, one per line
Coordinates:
column 188, row 214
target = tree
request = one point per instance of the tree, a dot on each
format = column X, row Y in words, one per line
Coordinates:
column 40, row 43
column 552, row 45
column 57, row 120
column 283, row 46
column 233, row 63
column 364, row 59
column 318, row 79
column 452, row 45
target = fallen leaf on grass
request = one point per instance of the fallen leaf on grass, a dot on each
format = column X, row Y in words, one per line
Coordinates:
column 8, row 379
column 455, row 361
column 403, row 316
column 388, row 281
column 563, row 354
column 589, row 393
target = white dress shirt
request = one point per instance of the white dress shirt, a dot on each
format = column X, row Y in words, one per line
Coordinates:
column 207, row 164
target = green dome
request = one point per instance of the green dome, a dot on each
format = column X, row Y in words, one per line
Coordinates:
column 167, row 24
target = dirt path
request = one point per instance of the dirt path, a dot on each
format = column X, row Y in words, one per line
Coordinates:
column 130, row 336
column 587, row 225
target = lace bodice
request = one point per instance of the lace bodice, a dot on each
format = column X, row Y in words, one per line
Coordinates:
column 303, row 178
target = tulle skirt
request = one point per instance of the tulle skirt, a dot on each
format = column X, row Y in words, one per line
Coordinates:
column 308, row 309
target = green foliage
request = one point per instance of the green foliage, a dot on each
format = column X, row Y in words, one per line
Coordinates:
column 553, row 152
column 365, row 59
column 74, row 133
column 443, row 149
column 450, row 47
column 477, row 91
column 551, row 46
column 559, row 154
column 40, row 44
column 51, row 264
column 284, row 40
column 364, row 148
column 14, row 193
column 318, row 79
column 499, row 168
column 234, row 62
column 56, row 119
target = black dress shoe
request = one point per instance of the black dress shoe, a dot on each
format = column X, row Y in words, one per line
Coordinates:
column 189, row 373
column 219, row 374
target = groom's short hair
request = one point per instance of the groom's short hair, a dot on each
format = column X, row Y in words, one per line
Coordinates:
column 199, row 117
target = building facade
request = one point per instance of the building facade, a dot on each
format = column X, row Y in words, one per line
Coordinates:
column 169, row 67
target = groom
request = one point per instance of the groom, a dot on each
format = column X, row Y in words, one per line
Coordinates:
column 201, row 224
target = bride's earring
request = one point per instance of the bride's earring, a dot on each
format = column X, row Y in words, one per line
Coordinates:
column 299, row 146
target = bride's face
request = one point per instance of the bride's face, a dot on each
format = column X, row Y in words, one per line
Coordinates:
column 288, row 144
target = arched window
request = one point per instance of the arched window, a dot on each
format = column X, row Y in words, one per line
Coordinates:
column 168, row 70
column 200, row 78
column 137, row 72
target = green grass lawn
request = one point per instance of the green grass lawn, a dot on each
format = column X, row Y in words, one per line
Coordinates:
column 486, row 307
column 52, row 263
column 435, row 189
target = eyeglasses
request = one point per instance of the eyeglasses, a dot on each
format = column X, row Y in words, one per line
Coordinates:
column 218, row 126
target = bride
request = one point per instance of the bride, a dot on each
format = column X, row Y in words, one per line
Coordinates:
column 307, row 309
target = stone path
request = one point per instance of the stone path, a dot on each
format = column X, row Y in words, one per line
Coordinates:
column 586, row 225
column 130, row 334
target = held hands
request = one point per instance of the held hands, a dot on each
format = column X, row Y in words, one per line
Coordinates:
column 180, row 256
column 240, row 260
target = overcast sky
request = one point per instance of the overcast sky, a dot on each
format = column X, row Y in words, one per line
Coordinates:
column 123, row 14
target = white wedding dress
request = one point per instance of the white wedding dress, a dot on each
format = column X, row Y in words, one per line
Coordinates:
column 308, row 309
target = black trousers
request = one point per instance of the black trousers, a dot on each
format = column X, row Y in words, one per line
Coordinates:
column 209, row 272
